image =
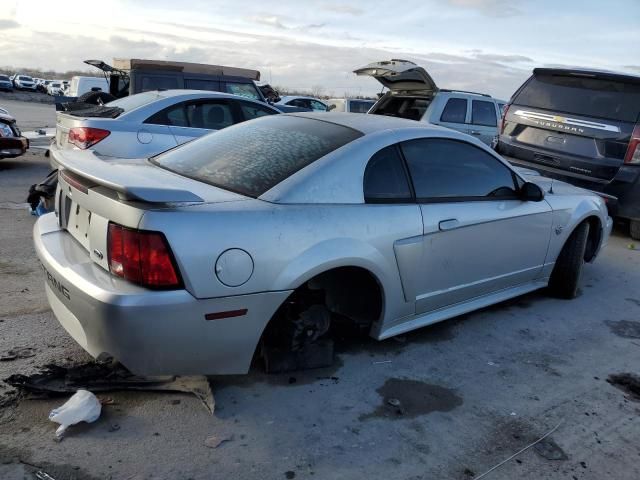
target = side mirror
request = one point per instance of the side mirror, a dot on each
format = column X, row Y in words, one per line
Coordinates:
column 331, row 107
column 530, row 192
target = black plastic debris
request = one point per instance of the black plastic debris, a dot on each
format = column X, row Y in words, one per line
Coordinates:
column 55, row 380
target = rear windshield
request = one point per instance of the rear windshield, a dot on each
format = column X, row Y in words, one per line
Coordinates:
column 251, row 158
column 590, row 97
column 134, row 101
column 360, row 106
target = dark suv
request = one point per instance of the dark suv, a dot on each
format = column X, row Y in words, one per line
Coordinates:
column 580, row 126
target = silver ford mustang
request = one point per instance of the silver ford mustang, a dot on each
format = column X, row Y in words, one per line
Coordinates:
column 261, row 236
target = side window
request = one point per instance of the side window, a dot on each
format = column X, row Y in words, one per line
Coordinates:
column 318, row 106
column 449, row 169
column 175, row 116
column 157, row 82
column 298, row 102
column 210, row 115
column 385, row 179
column 455, row 111
column 247, row 90
column 198, row 84
column 483, row 113
column 254, row 110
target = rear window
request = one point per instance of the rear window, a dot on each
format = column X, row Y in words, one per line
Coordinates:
column 590, row 97
column 360, row 106
column 134, row 101
column 251, row 158
column 247, row 90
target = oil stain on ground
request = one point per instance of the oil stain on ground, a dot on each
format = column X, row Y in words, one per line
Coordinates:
column 627, row 382
column 404, row 398
column 624, row 328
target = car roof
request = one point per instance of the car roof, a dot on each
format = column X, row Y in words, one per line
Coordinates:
column 577, row 71
column 367, row 123
column 293, row 97
column 198, row 93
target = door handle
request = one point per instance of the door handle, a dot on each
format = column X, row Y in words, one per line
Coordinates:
column 448, row 224
column 475, row 132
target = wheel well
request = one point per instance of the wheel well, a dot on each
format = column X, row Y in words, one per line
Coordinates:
column 349, row 293
column 594, row 238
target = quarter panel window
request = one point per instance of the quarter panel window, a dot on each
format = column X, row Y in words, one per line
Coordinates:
column 385, row 179
column 449, row 169
column 483, row 113
column 253, row 110
column 455, row 111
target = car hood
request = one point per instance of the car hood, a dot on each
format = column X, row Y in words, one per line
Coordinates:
column 399, row 75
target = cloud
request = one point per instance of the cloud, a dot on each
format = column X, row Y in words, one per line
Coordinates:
column 492, row 57
column 348, row 9
column 269, row 20
column 6, row 24
column 497, row 8
column 632, row 67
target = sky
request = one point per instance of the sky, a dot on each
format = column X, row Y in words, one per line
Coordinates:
column 487, row 46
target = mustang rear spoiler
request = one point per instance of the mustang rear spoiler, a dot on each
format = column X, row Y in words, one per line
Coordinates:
column 135, row 180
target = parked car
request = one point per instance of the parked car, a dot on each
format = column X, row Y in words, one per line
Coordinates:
column 42, row 86
column 24, row 82
column 12, row 143
column 81, row 85
column 414, row 95
column 148, row 123
column 257, row 238
column 580, row 126
column 54, row 88
column 5, row 84
column 307, row 103
column 352, row 105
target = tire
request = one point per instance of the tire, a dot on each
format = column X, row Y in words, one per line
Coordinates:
column 634, row 229
column 568, row 269
column 96, row 98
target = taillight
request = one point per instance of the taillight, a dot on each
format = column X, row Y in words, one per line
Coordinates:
column 504, row 117
column 85, row 137
column 633, row 150
column 142, row 257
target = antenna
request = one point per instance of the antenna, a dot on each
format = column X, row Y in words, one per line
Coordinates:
column 551, row 187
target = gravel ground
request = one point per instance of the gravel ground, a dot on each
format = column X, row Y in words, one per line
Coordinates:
column 472, row 391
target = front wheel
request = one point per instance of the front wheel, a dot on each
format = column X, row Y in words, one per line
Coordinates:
column 634, row 229
column 566, row 273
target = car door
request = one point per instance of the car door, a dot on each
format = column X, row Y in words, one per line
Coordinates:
column 478, row 236
column 484, row 120
column 200, row 117
column 455, row 114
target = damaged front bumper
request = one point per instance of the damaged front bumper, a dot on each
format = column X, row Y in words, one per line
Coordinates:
column 149, row 332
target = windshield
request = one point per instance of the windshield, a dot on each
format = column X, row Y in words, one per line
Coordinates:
column 54, row 84
column 4, row 77
column 251, row 158
column 134, row 101
column 26, row 79
column 591, row 97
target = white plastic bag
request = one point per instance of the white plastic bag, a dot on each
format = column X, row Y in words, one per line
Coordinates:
column 83, row 406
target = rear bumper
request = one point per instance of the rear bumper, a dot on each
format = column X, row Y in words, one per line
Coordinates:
column 13, row 146
column 149, row 332
column 625, row 186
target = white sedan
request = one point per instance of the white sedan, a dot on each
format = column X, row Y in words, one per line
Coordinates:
column 148, row 123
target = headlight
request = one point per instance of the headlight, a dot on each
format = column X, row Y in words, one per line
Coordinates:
column 5, row 130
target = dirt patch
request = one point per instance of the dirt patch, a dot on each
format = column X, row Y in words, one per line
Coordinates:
column 624, row 328
column 404, row 398
column 12, row 455
column 8, row 268
column 550, row 450
column 628, row 383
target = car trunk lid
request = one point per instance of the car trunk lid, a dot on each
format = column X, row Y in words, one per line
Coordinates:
column 92, row 193
column 399, row 76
